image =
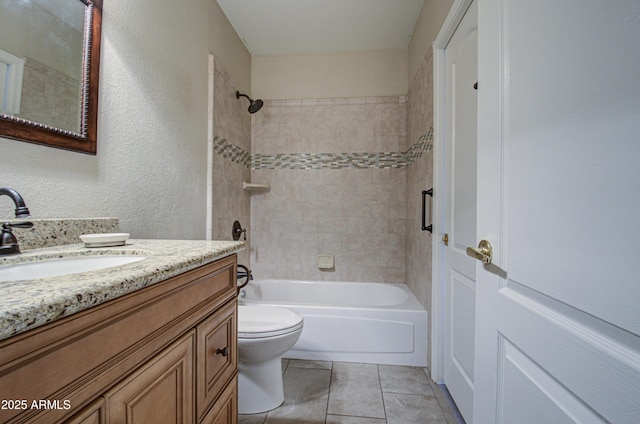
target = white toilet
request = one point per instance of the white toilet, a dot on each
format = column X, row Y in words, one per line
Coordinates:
column 265, row 333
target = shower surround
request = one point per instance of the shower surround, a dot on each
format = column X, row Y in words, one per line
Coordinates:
column 231, row 121
column 345, row 175
column 420, row 177
column 337, row 171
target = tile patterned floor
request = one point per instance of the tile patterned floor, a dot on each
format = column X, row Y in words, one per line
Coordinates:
column 352, row 393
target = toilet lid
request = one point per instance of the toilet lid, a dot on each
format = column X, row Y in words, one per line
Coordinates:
column 255, row 321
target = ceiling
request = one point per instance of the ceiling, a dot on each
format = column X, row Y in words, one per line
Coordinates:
column 289, row 27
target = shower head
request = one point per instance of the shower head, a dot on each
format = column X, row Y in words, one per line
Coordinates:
column 255, row 104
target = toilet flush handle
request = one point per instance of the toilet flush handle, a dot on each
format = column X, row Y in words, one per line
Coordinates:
column 224, row 351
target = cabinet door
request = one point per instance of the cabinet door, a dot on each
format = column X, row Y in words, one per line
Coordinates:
column 92, row 414
column 161, row 392
column 217, row 355
column 225, row 410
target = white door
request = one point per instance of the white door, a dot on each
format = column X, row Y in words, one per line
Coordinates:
column 558, row 316
column 461, row 59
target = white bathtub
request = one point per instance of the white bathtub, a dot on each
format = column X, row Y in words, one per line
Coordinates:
column 352, row 322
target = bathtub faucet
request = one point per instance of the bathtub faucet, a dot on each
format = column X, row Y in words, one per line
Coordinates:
column 243, row 272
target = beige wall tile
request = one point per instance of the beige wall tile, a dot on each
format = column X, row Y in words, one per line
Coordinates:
column 232, row 121
column 419, row 177
column 342, row 212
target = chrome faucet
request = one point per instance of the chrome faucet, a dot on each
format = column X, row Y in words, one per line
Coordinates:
column 8, row 241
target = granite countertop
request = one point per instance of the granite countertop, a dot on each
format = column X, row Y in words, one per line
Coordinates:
column 27, row 304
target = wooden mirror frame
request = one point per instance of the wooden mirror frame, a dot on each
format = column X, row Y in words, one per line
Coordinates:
column 84, row 141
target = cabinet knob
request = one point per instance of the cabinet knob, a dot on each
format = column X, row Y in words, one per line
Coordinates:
column 224, row 351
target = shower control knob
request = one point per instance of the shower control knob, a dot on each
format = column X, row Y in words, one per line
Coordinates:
column 237, row 229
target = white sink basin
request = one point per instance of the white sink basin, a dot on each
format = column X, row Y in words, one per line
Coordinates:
column 63, row 266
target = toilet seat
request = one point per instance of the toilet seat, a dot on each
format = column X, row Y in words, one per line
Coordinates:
column 259, row 321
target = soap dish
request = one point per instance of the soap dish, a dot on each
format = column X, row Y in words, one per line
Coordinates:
column 104, row 240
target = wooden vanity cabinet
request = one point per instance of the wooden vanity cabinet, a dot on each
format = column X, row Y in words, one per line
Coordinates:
column 217, row 359
column 225, row 410
column 160, row 391
column 164, row 354
column 95, row 413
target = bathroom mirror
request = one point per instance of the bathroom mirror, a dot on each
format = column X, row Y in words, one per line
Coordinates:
column 49, row 63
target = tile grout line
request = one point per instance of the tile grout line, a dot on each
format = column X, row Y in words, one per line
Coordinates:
column 447, row 410
column 384, row 406
column 326, row 409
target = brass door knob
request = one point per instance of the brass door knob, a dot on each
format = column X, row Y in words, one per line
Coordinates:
column 483, row 253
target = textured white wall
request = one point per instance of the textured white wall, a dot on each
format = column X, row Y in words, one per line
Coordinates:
column 150, row 170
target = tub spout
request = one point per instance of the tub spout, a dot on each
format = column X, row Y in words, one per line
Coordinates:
column 243, row 272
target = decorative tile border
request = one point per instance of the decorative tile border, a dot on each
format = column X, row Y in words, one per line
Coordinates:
column 381, row 160
column 232, row 152
column 328, row 161
column 424, row 145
